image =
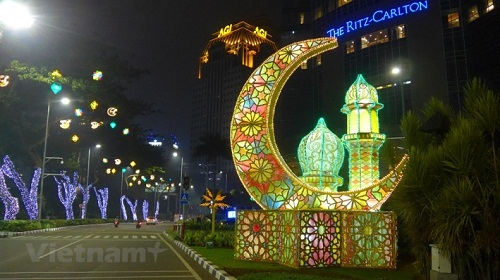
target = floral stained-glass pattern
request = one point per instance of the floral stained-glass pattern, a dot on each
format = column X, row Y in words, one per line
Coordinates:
column 262, row 170
column 317, row 238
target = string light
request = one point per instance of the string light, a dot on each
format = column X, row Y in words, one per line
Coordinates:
column 86, row 198
column 66, row 190
column 145, row 208
column 102, row 201
column 133, row 208
column 124, row 211
column 29, row 196
column 11, row 203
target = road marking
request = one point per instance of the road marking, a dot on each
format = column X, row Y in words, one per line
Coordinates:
column 144, row 236
column 125, row 237
column 152, row 236
column 195, row 275
column 134, row 236
column 60, row 248
column 97, row 236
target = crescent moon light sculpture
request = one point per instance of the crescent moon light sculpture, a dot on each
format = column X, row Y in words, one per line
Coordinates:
column 259, row 164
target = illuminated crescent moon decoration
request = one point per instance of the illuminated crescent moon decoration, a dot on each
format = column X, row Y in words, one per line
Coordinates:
column 4, row 80
column 112, row 111
column 64, row 124
column 259, row 164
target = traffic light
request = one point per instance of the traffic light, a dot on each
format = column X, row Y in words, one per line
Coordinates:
column 185, row 183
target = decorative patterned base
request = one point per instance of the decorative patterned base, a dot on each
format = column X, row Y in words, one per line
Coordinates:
column 317, row 238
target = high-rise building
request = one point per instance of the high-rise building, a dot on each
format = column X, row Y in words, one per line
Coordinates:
column 225, row 64
column 437, row 46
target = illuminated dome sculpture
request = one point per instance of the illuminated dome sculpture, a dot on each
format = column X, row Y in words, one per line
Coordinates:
column 321, row 155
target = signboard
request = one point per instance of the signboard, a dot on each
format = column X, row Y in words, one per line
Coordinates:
column 376, row 17
column 184, row 198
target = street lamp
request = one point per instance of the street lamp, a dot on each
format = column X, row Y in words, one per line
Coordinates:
column 15, row 15
column 397, row 72
column 64, row 101
column 180, row 181
column 88, row 164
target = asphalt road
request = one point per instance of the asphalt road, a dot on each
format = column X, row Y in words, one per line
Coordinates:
column 97, row 252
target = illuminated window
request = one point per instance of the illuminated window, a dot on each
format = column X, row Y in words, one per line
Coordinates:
column 331, row 5
column 400, row 31
column 375, row 38
column 341, row 3
column 489, row 5
column 453, row 20
column 349, row 47
column 318, row 60
column 472, row 13
column 302, row 18
column 318, row 13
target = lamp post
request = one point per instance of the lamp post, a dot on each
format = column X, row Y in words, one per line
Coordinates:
column 44, row 157
column 88, row 164
column 397, row 72
column 180, row 182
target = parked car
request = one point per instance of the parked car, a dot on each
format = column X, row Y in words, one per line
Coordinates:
column 151, row 221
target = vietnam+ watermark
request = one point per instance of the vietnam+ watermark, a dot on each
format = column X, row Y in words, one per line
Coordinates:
column 83, row 254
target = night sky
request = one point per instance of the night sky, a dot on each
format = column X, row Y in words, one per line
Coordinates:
column 163, row 36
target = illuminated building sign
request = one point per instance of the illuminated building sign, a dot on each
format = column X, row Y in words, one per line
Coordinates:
column 378, row 16
column 226, row 30
column 260, row 32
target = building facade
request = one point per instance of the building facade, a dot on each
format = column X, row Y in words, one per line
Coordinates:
column 225, row 64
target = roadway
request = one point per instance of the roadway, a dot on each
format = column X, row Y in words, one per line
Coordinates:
column 97, row 252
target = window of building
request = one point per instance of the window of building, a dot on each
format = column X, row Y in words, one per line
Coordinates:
column 400, row 31
column 375, row 38
column 318, row 60
column 349, row 47
column 472, row 13
column 302, row 18
column 489, row 5
column 341, row 3
column 318, row 13
column 453, row 20
column 331, row 5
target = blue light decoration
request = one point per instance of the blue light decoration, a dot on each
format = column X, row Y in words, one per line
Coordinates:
column 56, row 87
column 133, row 208
column 86, row 198
column 112, row 125
column 11, row 203
column 66, row 190
column 377, row 17
column 29, row 196
column 122, row 205
column 102, row 200
column 145, row 208
column 97, row 75
column 157, row 210
column 126, row 131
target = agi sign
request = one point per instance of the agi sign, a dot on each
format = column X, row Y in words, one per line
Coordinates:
column 378, row 16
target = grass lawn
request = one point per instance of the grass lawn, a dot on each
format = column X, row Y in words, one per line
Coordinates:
column 247, row 270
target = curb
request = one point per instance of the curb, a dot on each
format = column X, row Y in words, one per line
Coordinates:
column 208, row 265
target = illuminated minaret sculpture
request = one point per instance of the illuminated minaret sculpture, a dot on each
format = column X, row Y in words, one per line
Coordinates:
column 363, row 139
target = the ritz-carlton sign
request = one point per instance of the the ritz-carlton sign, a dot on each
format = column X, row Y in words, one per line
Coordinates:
column 378, row 16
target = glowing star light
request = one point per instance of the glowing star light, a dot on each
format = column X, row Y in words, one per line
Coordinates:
column 97, row 76
column 126, row 131
column 55, row 75
column 93, row 105
column 4, row 80
column 75, row 138
column 65, row 123
column 112, row 124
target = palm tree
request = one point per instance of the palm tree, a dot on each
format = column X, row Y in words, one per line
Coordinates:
column 450, row 195
column 214, row 202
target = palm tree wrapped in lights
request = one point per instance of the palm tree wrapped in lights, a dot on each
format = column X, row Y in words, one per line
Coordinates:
column 214, row 202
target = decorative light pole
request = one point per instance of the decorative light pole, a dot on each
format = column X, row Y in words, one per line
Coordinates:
column 44, row 157
column 180, row 182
